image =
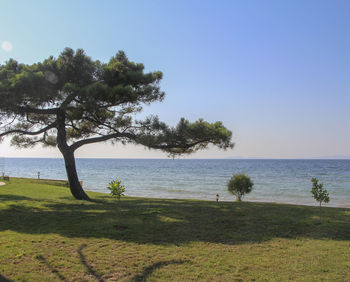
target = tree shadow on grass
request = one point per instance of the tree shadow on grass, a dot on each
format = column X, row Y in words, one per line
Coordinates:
column 83, row 261
column 90, row 270
column 161, row 221
column 4, row 279
column 44, row 261
column 147, row 272
column 6, row 198
column 150, row 269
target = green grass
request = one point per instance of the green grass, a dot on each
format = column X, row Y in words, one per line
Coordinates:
column 47, row 235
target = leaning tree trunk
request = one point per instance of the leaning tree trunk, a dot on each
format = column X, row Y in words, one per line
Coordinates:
column 69, row 160
column 74, row 184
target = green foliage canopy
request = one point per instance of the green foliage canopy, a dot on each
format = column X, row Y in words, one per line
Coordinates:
column 98, row 101
column 320, row 194
column 116, row 188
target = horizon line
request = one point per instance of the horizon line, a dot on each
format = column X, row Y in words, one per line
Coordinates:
column 226, row 158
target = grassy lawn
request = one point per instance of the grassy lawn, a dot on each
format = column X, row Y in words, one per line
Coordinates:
column 47, row 235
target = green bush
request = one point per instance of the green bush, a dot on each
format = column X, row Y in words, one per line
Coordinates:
column 117, row 190
column 239, row 185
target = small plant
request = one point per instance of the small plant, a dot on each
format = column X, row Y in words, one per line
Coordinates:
column 117, row 190
column 239, row 185
column 320, row 195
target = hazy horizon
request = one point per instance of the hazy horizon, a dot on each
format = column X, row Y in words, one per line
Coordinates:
column 192, row 158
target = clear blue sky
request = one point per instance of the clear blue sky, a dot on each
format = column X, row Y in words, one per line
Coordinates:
column 277, row 73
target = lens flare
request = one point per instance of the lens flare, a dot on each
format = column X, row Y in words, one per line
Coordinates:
column 6, row 46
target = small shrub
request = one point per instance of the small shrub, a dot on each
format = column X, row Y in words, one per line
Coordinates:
column 239, row 185
column 320, row 194
column 117, row 190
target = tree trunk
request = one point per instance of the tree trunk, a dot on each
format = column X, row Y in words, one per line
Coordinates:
column 69, row 160
column 74, row 184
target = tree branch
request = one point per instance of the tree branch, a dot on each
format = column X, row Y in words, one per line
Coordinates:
column 24, row 132
column 174, row 145
column 50, row 111
column 66, row 102
column 80, row 143
column 30, row 110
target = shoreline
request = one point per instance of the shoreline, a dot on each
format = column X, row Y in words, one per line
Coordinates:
column 63, row 183
column 233, row 201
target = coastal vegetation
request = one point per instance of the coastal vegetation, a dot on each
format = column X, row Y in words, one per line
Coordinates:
column 320, row 194
column 239, row 185
column 71, row 101
column 46, row 234
column 116, row 188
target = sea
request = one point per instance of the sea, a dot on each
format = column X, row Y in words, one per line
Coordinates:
column 275, row 180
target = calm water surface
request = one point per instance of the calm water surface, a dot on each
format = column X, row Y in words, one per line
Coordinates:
column 284, row 181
